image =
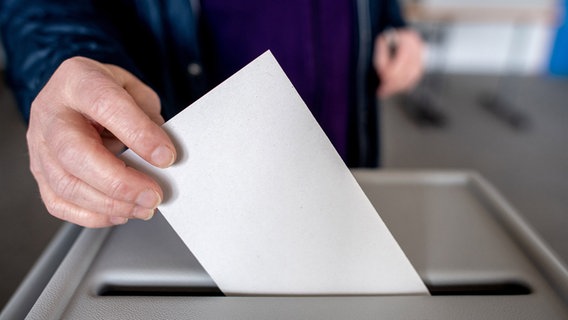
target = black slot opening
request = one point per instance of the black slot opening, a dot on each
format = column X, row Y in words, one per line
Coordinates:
column 509, row 288
column 477, row 289
column 125, row 290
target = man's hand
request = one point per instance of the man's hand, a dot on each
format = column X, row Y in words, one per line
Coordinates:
column 81, row 119
column 398, row 60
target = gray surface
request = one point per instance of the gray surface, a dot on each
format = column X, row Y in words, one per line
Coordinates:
column 39, row 276
column 450, row 232
column 529, row 167
column 25, row 227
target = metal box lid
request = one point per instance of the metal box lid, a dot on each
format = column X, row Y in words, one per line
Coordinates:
column 476, row 255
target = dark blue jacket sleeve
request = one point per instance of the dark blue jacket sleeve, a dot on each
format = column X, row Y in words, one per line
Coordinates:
column 395, row 15
column 39, row 35
column 389, row 15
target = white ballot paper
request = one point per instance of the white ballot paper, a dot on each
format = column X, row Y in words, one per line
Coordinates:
column 264, row 202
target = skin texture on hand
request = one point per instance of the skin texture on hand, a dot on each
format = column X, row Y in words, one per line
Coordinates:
column 399, row 71
column 84, row 116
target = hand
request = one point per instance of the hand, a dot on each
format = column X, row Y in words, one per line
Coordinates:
column 85, row 114
column 401, row 68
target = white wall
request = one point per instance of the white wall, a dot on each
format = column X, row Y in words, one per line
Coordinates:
column 487, row 36
column 491, row 48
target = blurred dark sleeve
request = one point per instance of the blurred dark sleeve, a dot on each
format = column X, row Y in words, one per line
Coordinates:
column 390, row 15
column 39, row 35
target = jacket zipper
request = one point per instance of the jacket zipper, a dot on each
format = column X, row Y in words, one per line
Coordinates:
column 364, row 45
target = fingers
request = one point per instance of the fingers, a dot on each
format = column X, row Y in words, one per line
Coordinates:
column 144, row 97
column 107, row 100
column 61, row 208
column 75, row 214
column 80, row 152
column 72, row 189
column 402, row 70
column 85, row 114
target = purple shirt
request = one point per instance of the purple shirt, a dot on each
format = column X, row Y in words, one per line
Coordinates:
column 311, row 39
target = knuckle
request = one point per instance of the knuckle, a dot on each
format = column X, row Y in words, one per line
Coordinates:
column 103, row 105
column 35, row 164
column 101, row 92
column 108, row 206
column 119, row 189
column 30, row 136
column 140, row 135
column 66, row 186
column 67, row 152
column 34, row 168
column 151, row 96
column 71, row 62
column 113, row 207
column 36, row 105
column 55, row 207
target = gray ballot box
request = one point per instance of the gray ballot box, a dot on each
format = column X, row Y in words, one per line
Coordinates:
column 477, row 257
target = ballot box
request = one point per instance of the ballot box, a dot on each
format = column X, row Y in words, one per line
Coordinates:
column 476, row 255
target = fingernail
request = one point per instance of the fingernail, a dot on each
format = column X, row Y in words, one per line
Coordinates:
column 163, row 156
column 143, row 213
column 148, row 199
column 118, row 220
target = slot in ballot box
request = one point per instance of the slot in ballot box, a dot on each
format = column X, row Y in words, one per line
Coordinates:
column 477, row 257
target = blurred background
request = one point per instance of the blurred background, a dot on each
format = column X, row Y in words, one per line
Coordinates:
column 494, row 100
